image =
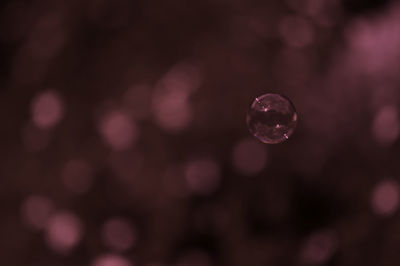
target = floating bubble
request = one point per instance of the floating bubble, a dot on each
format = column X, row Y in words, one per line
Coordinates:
column 272, row 118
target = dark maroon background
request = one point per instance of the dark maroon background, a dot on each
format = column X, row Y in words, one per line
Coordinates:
column 327, row 196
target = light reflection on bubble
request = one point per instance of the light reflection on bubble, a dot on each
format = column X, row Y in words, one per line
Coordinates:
column 77, row 176
column 385, row 197
column 63, row 232
column 111, row 260
column 36, row 210
column 296, row 31
column 386, row 127
column 47, row 109
column 202, row 176
column 118, row 130
column 118, row 234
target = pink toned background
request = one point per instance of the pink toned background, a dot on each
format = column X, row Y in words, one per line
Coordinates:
column 124, row 143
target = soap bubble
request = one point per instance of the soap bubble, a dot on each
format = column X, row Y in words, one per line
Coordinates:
column 272, row 118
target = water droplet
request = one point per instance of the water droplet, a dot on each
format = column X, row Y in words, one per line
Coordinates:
column 272, row 118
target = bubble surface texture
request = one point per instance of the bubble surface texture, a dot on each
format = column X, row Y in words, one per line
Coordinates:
column 272, row 118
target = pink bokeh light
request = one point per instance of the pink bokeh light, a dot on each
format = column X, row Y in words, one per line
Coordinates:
column 385, row 197
column 318, row 248
column 63, row 232
column 373, row 44
column 296, row 31
column 172, row 110
column 47, row 109
column 36, row 210
column 47, row 37
column 118, row 234
column 118, row 130
column 111, row 260
column 131, row 118
column 170, row 103
column 386, row 127
column 182, row 77
column 323, row 13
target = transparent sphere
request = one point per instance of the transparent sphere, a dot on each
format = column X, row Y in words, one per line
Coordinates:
column 272, row 118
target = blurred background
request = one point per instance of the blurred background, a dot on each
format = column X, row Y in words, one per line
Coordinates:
column 124, row 140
